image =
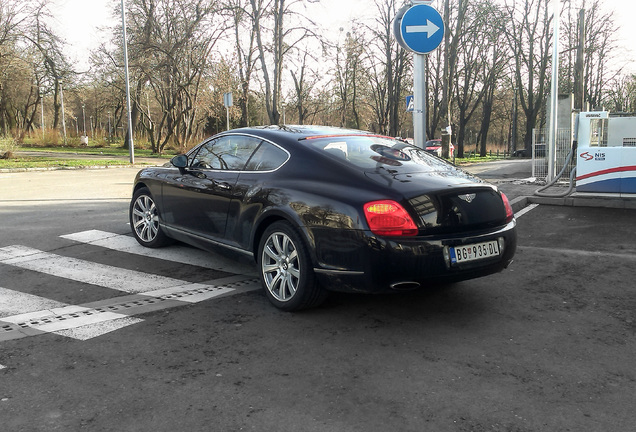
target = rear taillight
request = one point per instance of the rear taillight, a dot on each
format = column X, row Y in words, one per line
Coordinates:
column 388, row 218
column 509, row 213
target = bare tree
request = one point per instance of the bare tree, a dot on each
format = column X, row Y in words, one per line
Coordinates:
column 170, row 49
column 496, row 58
column 388, row 66
column 454, row 29
column 302, row 88
column 349, row 76
column 26, row 43
column 434, row 104
column 529, row 36
column 601, row 51
column 621, row 96
column 469, row 88
column 246, row 52
column 273, row 46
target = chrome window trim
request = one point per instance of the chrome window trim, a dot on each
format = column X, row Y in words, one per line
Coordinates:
column 192, row 150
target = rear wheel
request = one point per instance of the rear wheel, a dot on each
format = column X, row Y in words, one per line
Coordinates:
column 286, row 271
column 144, row 220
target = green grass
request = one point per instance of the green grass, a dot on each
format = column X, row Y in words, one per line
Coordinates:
column 102, row 151
column 67, row 159
column 40, row 162
column 477, row 159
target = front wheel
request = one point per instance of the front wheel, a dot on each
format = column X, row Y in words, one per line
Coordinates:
column 286, row 271
column 144, row 220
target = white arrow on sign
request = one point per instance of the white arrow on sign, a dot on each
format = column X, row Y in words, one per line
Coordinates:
column 430, row 29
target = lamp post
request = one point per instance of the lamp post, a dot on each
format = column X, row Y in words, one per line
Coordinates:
column 513, row 138
column 554, row 97
column 130, row 128
column 63, row 117
column 84, row 119
column 42, row 101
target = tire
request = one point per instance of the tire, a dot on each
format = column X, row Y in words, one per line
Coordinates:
column 145, row 222
column 286, row 270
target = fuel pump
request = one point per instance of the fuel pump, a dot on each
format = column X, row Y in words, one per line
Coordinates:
column 606, row 156
column 604, row 146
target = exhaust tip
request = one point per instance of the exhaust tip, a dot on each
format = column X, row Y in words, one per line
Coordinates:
column 405, row 286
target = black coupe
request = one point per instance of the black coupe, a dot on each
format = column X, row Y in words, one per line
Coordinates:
column 324, row 209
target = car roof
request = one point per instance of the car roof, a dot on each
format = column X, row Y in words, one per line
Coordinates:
column 296, row 132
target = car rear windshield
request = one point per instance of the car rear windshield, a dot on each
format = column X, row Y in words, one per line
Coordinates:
column 370, row 152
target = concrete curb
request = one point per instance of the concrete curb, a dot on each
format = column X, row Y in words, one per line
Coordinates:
column 599, row 201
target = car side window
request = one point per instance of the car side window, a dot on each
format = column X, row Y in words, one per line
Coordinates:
column 230, row 152
column 267, row 157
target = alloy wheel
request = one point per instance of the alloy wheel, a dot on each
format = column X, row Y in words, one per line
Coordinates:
column 145, row 218
column 280, row 266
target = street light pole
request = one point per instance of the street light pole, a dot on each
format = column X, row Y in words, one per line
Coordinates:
column 513, row 138
column 42, row 101
column 84, row 119
column 554, row 97
column 130, row 128
column 63, row 116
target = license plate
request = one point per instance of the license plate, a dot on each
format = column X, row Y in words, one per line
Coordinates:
column 473, row 252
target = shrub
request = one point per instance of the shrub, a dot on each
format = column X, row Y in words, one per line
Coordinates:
column 8, row 146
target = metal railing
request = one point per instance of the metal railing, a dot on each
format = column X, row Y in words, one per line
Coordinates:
column 540, row 153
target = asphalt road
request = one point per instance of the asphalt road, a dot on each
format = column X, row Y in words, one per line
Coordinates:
column 502, row 169
column 547, row 345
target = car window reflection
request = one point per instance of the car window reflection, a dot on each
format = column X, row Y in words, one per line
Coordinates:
column 229, row 153
column 370, row 152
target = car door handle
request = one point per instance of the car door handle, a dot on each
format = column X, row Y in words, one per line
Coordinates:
column 222, row 185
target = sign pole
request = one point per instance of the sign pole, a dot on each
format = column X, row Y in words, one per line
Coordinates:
column 419, row 101
column 131, row 148
column 554, row 97
column 419, row 28
column 228, row 102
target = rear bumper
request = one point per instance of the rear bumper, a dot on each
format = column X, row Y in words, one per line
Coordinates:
column 361, row 262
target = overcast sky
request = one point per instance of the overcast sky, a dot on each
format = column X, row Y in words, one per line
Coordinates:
column 79, row 20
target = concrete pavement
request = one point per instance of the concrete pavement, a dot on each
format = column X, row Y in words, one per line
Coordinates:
column 513, row 177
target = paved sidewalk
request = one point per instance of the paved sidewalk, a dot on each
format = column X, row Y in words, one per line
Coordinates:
column 521, row 193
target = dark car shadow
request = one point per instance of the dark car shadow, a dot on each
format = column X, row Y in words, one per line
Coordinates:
column 460, row 301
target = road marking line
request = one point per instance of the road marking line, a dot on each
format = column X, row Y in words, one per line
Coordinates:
column 85, row 271
column 526, row 210
column 94, row 319
column 175, row 253
column 23, row 314
column 16, row 302
column 91, row 331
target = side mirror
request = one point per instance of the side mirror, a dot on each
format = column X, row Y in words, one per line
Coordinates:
column 180, row 161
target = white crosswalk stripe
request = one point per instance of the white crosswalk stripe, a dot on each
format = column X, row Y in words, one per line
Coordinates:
column 17, row 307
column 16, row 302
column 84, row 271
column 175, row 253
column 23, row 314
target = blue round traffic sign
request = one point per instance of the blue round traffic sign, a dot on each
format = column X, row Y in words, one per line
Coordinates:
column 421, row 29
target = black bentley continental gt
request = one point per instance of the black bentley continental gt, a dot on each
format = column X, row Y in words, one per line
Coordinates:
column 323, row 209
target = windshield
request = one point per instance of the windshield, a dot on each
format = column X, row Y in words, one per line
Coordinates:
column 372, row 152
